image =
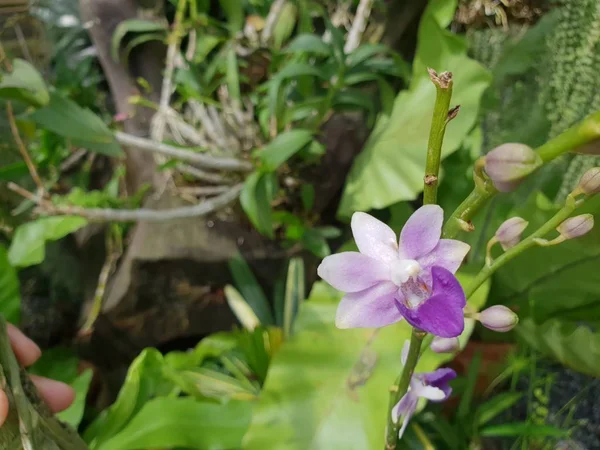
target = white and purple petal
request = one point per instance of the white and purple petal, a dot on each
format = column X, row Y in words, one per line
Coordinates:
column 373, row 237
column 352, row 271
column 442, row 313
column 372, row 308
column 439, row 378
column 405, row 409
column 448, row 253
column 422, row 232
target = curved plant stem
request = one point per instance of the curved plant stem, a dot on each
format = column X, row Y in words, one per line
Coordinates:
column 575, row 137
column 401, row 386
column 441, row 117
column 487, row 271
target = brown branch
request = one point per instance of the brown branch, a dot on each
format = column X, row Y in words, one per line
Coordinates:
column 17, row 137
column 132, row 215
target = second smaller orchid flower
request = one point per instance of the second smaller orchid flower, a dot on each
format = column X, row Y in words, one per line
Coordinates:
column 429, row 385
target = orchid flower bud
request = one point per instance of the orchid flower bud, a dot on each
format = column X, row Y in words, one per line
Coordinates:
column 590, row 182
column 508, row 164
column 498, row 318
column 509, row 233
column 445, row 345
column 576, row 226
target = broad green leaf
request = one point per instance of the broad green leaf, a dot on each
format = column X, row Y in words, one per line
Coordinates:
column 74, row 413
column 65, row 118
column 524, row 429
column 365, row 52
column 496, row 405
column 574, row 345
column 25, row 84
column 184, row 422
column 241, row 309
column 553, row 282
column 391, row 166
column 309, row 43
column 14, row 171
column 250, row 289
column 283, row 147
column 256, row 199
column 212, row 346
column 328, row 388
column 285, row 24
column 10, row 297
column 143, row 382
column 204, row 45
column 294, row 294
column 234, row 11
column 29, row 242
column 133, row 26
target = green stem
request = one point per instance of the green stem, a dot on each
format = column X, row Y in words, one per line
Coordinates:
column 443, row 87
column 401, row 386
column 487, row 271
column 577, row 136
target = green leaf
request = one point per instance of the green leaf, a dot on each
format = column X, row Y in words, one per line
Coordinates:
column 315, row 242
column 256, row 198
column 184, row 422
column 294, row 294
column 144, row 381
column 241, row 309
column 390, row 168
column 308, row 196
column 29, row 242
column 204, row 45
column 283, row 147
column 464, row 406
column 309, row 43
column 74, row 413
column 285, row 24
column 25, row 84
column 326, row 387
column 233, row 75
column 14, row 171
column 364, row 52
column 133, row 26
column 234, row 11
column 10, row 296
column 496, row 405
column 250, row 289
column 575, row 346
column 553, row 282
column 524, row 429
column 65, row 118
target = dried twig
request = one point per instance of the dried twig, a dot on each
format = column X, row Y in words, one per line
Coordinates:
column 72, row 160
column 159, row 120
column 203, row 190
column 113, row 254
column 358, row 25
column 200, row 174
column 206, row 161
column 271, row 20
column 17, row 137
column 133, row 215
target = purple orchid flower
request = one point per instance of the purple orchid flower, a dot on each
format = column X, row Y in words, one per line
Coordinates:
column 429, row 385
column 388, row 280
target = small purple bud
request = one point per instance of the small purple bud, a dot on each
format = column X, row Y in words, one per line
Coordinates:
column 590, row 181
column 509, row 233
column 576, row 226
column 498, row 318
column 508, row 164
column 445, row 345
